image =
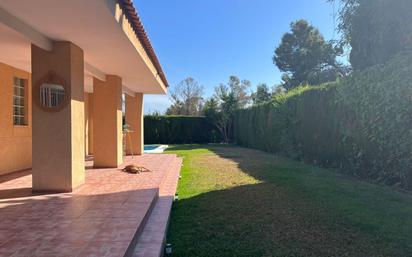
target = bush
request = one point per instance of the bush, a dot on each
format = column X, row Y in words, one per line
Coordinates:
column 179, row 130
column 362, row 124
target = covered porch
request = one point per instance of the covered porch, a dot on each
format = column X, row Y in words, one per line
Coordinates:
column 70, row 71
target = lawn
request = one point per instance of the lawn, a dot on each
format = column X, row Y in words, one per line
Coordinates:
column 237, row 202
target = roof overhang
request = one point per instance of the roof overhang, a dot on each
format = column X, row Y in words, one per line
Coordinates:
column 104, row 29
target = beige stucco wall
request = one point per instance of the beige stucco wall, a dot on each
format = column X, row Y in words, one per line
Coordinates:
column 15, row 141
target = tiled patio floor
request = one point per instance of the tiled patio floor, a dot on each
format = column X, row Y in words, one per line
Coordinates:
column 100, row 218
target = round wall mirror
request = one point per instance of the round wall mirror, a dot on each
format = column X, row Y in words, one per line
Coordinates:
column 52, row 95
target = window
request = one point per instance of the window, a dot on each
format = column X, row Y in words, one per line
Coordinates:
column 19, row 102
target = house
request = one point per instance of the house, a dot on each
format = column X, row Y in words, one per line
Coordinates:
column 64, row 66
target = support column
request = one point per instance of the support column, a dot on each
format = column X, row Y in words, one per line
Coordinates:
column 86, row 123
column 88, row 120
column 107, row 122
column 134, row 118
column 58, row 129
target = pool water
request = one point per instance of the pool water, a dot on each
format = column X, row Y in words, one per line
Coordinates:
column 154, row 148
column 150, row 147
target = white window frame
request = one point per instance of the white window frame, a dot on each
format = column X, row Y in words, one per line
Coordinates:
column 19, row 102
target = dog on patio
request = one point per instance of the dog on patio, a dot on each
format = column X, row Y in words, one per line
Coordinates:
column 135, row 169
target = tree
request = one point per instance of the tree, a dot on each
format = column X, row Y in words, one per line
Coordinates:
column 213, row 112
column 277, row 90
column 239, row 89
column 262, row 94
column 187, row 98
column 305, row 57
column 177, row 108
column 221, row 108
column 375, row 30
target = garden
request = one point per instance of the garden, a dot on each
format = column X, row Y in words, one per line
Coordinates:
column 235, row 201
column 320, row 165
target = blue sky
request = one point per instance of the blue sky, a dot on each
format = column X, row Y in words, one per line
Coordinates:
column 213, row 39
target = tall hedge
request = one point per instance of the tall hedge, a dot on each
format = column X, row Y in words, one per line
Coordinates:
column 179, row 130
column 362, row 125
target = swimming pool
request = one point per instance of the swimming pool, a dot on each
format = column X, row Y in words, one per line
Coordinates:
column 154, row 148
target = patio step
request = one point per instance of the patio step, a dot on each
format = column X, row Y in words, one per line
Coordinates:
column 152, row 240
column 141, row 226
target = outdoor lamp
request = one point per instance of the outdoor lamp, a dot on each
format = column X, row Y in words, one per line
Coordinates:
column 168, row 249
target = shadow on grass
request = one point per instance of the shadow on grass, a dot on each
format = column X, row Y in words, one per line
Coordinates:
column 297, row 210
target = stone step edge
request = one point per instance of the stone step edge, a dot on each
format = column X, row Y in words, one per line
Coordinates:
column 165, row 200
column 142, row 225
column 160, row 242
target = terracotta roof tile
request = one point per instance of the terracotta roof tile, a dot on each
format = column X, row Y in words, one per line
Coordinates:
column 131, row 14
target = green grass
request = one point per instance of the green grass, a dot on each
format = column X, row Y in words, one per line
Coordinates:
column 240, row 202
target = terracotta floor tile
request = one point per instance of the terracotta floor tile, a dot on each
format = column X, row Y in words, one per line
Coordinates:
column 122, row 223
column 104, row 249
column 99, row 218
column 17, row 245
column 60, row 248
column 113, row 235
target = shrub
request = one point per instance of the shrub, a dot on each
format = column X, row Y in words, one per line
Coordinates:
column 362, row 124
column 179, row 130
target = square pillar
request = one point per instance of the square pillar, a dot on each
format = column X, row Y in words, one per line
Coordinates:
column 58, row 125
column 107, row 122
column 88, row 120
column 134, row 118
column 86, row 123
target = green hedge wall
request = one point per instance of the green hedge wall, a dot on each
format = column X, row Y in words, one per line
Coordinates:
column 179, row 130
column 361, row 125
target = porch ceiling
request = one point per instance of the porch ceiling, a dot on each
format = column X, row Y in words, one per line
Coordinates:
column 96, row 26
